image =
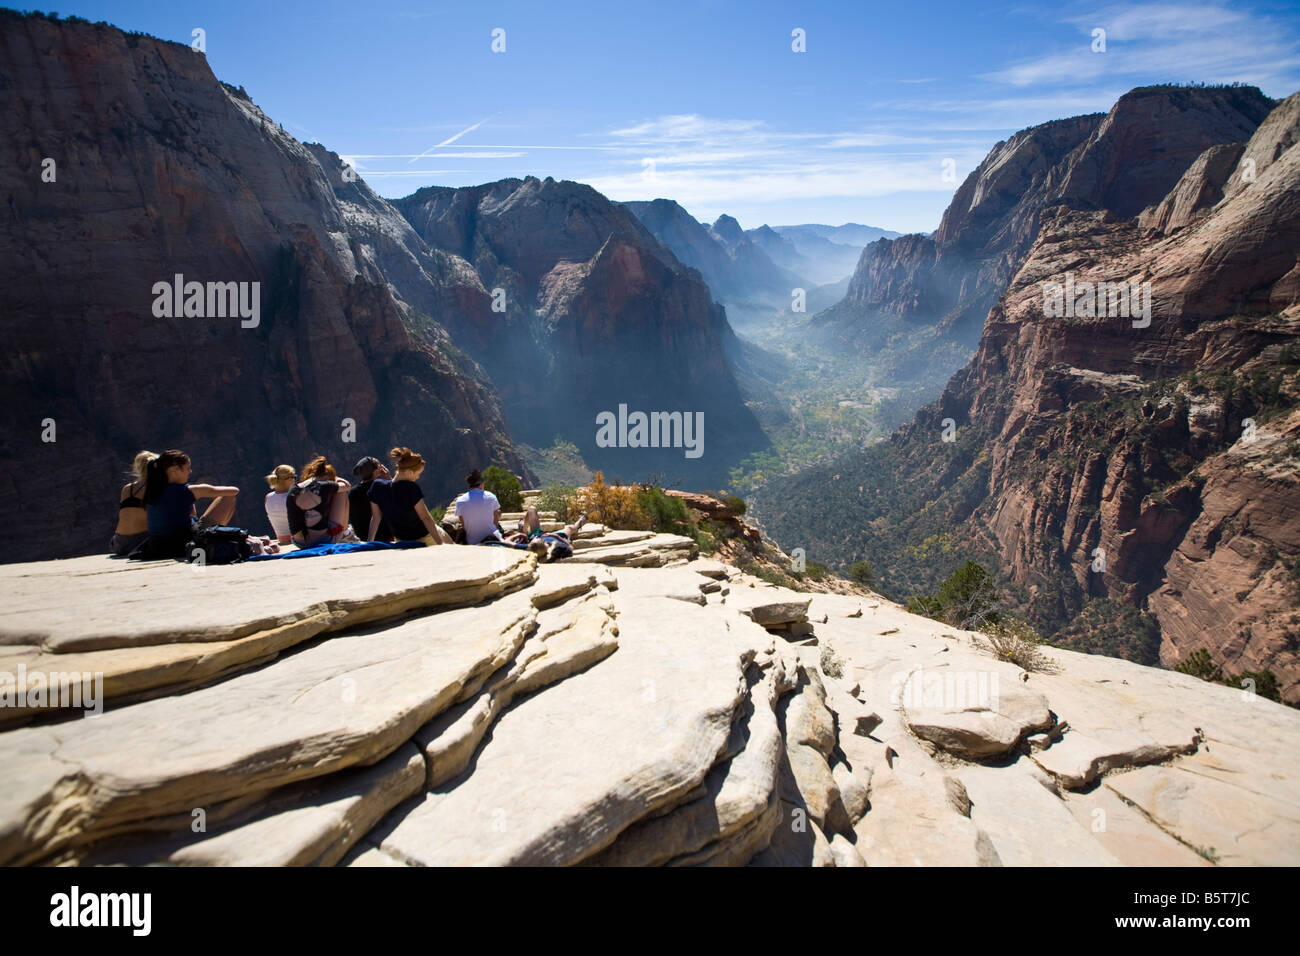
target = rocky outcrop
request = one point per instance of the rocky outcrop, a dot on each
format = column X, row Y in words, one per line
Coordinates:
column 128, row 164
column 597, row 313
column 1199, row 189
column 1122, row 161
column 686, row 714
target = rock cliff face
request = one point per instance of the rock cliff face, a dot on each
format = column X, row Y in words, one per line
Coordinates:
column 633, row 705
column 1122, row 161
column 160, row 170
column 1200, row 469
column 1148, row 460
column 597, row 314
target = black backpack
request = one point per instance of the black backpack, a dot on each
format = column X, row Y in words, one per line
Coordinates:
column 220, row 545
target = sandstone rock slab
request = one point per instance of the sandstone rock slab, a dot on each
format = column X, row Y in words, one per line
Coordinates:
column 337, row 703
column 599, row 751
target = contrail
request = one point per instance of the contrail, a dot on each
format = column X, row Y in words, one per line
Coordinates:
column 448, row 142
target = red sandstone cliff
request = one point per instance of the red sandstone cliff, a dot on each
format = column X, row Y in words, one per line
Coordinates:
column 160, row 170
column 597, row 313
column 1171, row 448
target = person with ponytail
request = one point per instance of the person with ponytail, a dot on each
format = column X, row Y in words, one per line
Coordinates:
column 399, row 502
column 169, row 503
column 317, row 506
column 132, row 522
column 281, row 482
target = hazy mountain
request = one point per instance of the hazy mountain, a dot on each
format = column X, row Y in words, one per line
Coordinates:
column 823, row 254
column 598, row 313
column 738, row 270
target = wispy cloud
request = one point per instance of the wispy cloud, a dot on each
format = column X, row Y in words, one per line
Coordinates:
column 687, row 126
column 712, row 161
column 1206, row 42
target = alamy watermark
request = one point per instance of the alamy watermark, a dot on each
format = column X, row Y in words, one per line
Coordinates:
column 1072, row 299
column 75, row 908
column 213, row 300
column 653, row 430
column 56, row 689
column 946, row 689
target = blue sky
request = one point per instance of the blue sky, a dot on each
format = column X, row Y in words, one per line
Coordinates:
column 706, row 102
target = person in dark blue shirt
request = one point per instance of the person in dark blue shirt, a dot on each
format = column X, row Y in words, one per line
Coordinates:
column 367, row 470
column 169, row 499
column 400, row 503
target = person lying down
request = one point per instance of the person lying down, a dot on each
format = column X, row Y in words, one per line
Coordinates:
column 529, row 536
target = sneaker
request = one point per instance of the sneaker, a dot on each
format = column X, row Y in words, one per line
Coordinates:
column 347, row 536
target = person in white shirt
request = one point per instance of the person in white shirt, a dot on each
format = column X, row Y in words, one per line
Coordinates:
column 478, row 510
column 281, row 481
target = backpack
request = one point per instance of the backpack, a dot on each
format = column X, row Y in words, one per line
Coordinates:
column 156, row 547
column 220, row 545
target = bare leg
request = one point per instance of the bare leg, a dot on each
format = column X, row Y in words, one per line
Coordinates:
column 531, row 521
column 221, row 510
column 574, row 528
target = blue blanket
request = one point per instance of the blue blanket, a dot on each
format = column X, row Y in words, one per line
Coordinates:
column 341, row 548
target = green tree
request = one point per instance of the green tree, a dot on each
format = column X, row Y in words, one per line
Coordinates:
column 1198, row 664
column 967, row 599
column 667, row 514
column 863, row 573
column 505, row 486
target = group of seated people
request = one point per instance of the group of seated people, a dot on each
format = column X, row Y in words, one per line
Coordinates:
column 157, row 512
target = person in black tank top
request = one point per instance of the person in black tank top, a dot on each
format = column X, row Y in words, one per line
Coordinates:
column 132, row 523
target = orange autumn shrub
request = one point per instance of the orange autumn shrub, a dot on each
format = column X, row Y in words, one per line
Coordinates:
column 614, row 506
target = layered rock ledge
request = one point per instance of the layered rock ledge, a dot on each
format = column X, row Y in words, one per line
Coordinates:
column 636, row 706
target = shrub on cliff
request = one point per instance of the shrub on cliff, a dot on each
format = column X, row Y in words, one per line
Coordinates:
column 1015, row 641
column 560, row 499
column 1199, row 664
column 615, row 506
column 967, row 599
column 667, row 514
column 861, row 572
column 505, row 486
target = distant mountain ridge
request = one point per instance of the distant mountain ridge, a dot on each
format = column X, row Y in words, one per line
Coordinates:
column 826, row 254
column 848, row 234
column 760, row 266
